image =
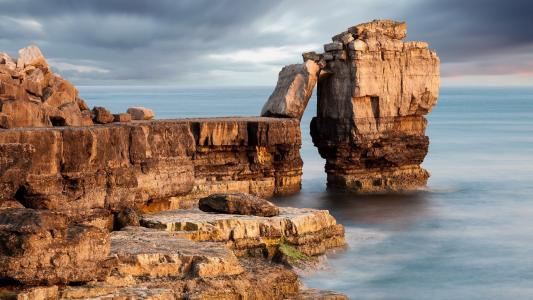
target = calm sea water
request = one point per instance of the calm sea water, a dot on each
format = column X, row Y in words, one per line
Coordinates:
column 469, row 237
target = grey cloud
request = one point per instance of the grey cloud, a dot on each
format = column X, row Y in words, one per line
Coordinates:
column 170, row 41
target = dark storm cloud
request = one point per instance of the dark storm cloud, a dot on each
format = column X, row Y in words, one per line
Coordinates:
column 241, row 42
column 463, row 29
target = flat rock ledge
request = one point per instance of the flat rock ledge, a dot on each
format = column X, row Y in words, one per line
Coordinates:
column 190, row 254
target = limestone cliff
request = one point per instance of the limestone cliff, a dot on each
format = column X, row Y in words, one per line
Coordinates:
column 373, row 95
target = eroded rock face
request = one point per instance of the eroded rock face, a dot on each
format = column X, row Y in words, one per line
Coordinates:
column 372, row 99
column 239, row 203
column 41, row 247
column 141, row 113
column 293, row 90
column 31, row 95
column 150, row 165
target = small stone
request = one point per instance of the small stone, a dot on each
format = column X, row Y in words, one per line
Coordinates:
column 328, row 56
column 127, row 217
column 311, row 56
column 124, row 117
column 101, row 115
column 335, row 46
column 141, row 113
column 239, row 204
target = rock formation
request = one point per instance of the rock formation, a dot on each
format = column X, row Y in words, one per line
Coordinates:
column 370, row 124
column 31, row 95
column 293, row 91
column 238, row 203
column 151, row 165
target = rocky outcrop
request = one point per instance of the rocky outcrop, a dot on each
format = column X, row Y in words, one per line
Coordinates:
column 238, row 203
column 152, row 166
column 293, row 91
column 373, row 95
column 309, row 231
column 31, row 95
column 41, row 247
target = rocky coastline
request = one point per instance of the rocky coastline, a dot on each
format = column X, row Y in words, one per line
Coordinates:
column 95, row 205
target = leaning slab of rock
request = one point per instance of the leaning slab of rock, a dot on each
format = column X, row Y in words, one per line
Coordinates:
column 293, row 91
column 41, row 247
column 141, row 113
column 239, row 204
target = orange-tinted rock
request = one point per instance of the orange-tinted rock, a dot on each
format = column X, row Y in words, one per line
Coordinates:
column 125, row 117
column 32, row 96
column 41, row 247
column 370, row 124
column 141, row 113
column 102, row 115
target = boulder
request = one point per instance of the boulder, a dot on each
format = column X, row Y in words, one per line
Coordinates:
column 141, row 113
column 387, row 28
column 41, row 247
column 124, row 117
column 239, row 204
column 293, row 91
column 25, row 114
column 126, row 217
column 31, row 56
column 7, row 61
column 101, row 115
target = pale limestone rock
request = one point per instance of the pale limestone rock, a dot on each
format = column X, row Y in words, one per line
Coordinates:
column 372, row 107
column 141, row 113
column 7, row 61
column 31, row 56
column 293, row 91
column 308, row 230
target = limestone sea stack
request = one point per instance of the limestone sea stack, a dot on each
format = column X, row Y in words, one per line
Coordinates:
column 372, row 101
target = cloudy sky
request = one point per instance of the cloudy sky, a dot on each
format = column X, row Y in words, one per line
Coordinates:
column 245, row 43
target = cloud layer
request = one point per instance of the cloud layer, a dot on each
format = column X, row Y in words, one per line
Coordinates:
column 242, row 42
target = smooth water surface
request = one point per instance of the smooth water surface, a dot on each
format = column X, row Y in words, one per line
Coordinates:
column 469, row 237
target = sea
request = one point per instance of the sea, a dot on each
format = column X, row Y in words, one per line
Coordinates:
column 468, row 236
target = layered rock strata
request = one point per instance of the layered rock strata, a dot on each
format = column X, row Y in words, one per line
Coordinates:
column 88, row 171
column 309, row 231
column 373, row 95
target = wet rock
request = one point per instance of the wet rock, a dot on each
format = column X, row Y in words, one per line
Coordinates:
column 101, row 115
column 41, row 247
column 141, row 113
column 239, row 203
column 293, row 91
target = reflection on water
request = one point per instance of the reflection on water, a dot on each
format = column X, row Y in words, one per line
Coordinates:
column 394, row 212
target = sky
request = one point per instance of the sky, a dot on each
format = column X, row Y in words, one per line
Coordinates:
column 193, row 43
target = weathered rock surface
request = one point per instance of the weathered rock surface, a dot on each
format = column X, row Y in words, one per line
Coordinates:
column 293, row 91
column 31, row 95
column 141, row 113
column 309, row 231
column 238, row 203
column 41, row 247
column 370, row 124
column 152, row 165
column 102, row 116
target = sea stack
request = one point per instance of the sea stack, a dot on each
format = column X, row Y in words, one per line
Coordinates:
column 373, row 95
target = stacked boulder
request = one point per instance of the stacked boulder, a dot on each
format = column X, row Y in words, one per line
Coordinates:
column 31, row 95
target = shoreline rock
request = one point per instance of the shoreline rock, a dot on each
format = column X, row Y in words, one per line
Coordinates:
column 238, row 203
